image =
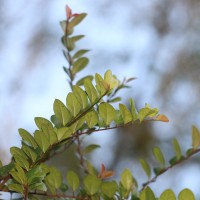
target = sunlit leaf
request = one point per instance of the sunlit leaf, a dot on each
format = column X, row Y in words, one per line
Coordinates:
column 54, row 178
column 22, row 162
column 27, row 137
column 80, row 53
column 77, row 125
column 195, row 137
column 73, row 104
column 91, row 184
column 61, row 112
column 127, row 179
column 168, row 195
column 42, row 140
column 186, row 194
column 40, row 122
column 77, row 19
column 30, row 152
column 91, row 118
column 18, row 151
column 79, row 64
column 143, row 113
column 73, row 180
column 111, row 79
column 63, row 133
column 177, row 148
column 159, row 155
column 101, row 85
column 91, row 91
column 90, row 148
column 126, row 114
column 107, row 112
column 81, row 81
column 162, row 118
column 146, row 167
column 109, row 188
column 147, row 194
column 81, row 96
column 133, row 110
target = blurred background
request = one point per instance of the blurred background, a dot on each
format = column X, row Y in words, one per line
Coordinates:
column 156, row 41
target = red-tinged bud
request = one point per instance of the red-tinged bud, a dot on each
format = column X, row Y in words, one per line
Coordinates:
column 68, row 12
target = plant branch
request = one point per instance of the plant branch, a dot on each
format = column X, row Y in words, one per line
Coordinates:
column 144, row 185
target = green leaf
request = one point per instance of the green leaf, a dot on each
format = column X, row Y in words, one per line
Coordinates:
column 186, row 194
column 133, row 110
column 107, row 112
column 101, row 85
column 127, row 179
column 109, row 188
column 91, row 184
column 16, row 187
column 28, row 138
column 36, row 175
column 22, row 162
column 80, row 53
column 61, row 112
column 77, row 125
column 147, row 194
column 91, row 118
column 118, row 117
column 64, row 187
column 38, row 186
column 81, row 96
column 90, row 148
column 81, row 81
column 73, row 104
column 19, row 175
column 168, row 195
column 54, row 178
column 143, row 113
column 56, row 121
column 40, row 122
column 126, row 114
column 76, row 20
column 90, row 168
column 73, row 180
column 18, row 151
column 91, row 91
column 117, row 99
column 111, row 79
column 42, row 140
column 64, row 133
column 146, row 167
column 159, row 155
column 4, row 170
column 195, row 137
column 79, row 65
column 63, row 25
column 177, row 148
column 30, row 152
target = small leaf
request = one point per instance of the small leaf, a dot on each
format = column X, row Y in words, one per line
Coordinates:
column 162, row 118
column 111, row 79
column 127, row 179
column 72, row 104
column 126, row 114
column 80, row 53
column 109, row 188
column 63, row 25
column 91, row 118
column 107, row 112
column 186, row 194
column 81, row 81
column 77, row 125
column 177, row 148
column 22, row 162
column 16, row 187
column 117, row 99
column 91, row 184
column 73, row 180
column 61, row 112
column 42, row 140
column 27, row 137
column 143, row 113
column 77, row 19
column 195, row 137
column 38, row 186
column 101, row 85
column 40, row 122
column 18, row 151
column 133, row 110
column 30, row 152
column 79, row 64
column 90, row 148
column 146, row 167
column 81, row 96
column 54, row 178
column 4, row 170
column 91, row 91
column 147, row 194
column 168, row 195
column 64, row 133
column 159, row 155
column 18, row 175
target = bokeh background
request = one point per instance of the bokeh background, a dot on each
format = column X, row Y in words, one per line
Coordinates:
column 156, row 41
